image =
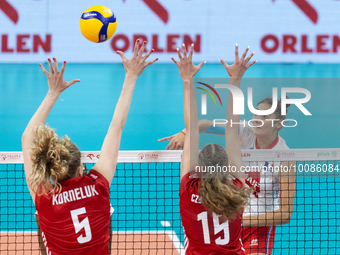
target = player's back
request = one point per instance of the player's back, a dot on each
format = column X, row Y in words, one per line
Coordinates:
column 76, row 220
column 205, row 232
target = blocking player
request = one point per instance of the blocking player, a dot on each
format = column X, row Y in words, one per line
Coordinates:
column 74, row 210
column 211, row 203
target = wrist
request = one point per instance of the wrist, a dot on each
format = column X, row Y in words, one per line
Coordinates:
column 183, row 132
column 186, row 80
column 54, row 94
column 235, row 81
column 131, row 77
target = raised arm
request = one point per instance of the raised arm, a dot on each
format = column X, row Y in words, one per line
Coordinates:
column 232, row 140
column 134, row 67
column 56, row 85
column 187, row 70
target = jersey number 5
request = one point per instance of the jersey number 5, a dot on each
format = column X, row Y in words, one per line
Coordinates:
column 83, row 224
column 203, row 216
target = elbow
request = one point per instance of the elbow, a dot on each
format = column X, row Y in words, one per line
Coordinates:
column 286, row 219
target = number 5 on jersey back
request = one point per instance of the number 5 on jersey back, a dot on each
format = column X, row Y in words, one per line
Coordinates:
column 83, row 224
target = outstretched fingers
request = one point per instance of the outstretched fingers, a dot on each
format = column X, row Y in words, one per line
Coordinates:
column 63, row 68
column 69, row 83
column 151, row 62
column 174, row 60
column 236, row 52
column 121, row 54
column 50, row 66
column 252, row 63
column 179, row 54
column 250, row 56
column 148, row 54
column 200, row 65
column 55, row 65
column 224, row 63
column 136, row 48
column 191, row 51
column 141, row 51
column 43, row 69
column 184, row 50
column 245, row 53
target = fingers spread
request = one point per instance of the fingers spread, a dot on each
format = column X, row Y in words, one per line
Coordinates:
column 141, row 51
column 121, row 54
column 200, row 65
column 151, row 62
column 179, row 54
column 43, row 69
column 245, row 53
column 191, row 51
column 55, row 65
column 172, row 58
column 252, row 63
column 236, row 52
column 184, row 50
column 50, row 66
column 224, row 63
column 63, row 68
column 72, row 82
column 250, row 56
column 148, row 54
column 136, row 48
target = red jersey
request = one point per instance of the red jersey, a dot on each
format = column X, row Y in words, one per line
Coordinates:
column 204, row 232
column 76, row 220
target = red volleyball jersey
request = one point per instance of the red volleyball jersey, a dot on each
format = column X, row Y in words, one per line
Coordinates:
column 204, row 232
column 76, row 220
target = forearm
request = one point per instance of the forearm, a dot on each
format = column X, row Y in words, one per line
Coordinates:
column 274, row 218
column 124, row 102
column 39, row 117
column 231, row 118
column 115, row 130
column 190, row 107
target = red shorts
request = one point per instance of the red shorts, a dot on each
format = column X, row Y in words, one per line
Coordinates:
column 258, row 239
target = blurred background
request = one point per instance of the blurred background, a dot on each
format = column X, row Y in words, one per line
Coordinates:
column 296, row 44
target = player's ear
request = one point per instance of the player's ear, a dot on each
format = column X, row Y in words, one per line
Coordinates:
column 278, row 124
column 79, row 171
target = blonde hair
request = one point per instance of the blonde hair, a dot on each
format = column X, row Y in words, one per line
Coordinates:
column 53, row 159
column 217, row 191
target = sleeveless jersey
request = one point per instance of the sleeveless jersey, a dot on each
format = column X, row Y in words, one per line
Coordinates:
column 76, row 220
column 265, row 198
column 204, row 232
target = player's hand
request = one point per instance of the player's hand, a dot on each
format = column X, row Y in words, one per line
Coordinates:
column 56, row 82
column 176, row 141
column 137, row 63
column 240, row 66
column 187, row 69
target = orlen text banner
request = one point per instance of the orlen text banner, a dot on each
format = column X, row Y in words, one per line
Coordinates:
column 279, row 31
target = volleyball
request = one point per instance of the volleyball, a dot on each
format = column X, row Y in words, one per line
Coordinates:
column 98, row 24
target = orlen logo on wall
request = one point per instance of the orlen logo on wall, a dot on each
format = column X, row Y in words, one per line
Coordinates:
column 123, row 42
column 304, row 43
column 19, row 42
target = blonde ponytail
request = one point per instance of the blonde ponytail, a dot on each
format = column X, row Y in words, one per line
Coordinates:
column 54, row 159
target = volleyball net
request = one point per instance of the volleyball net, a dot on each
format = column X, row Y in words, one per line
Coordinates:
column 145, row 197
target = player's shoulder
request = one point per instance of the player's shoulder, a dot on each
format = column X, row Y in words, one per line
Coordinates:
column 95, row 176
column 189, row 182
